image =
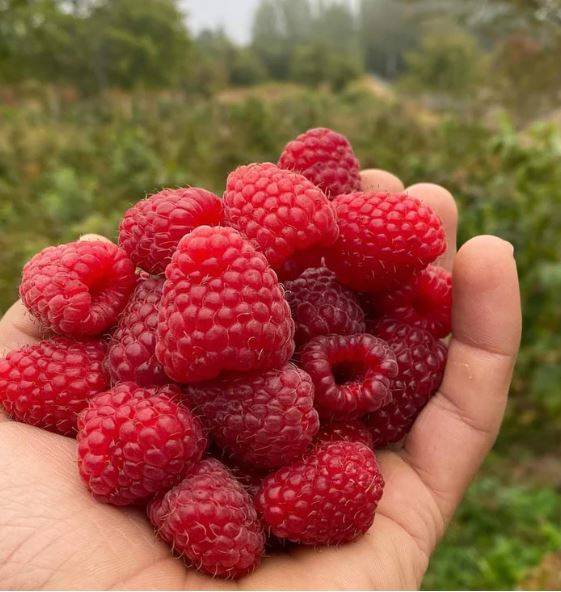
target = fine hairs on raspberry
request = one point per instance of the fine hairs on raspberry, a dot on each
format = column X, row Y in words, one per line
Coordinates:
column 231, row 367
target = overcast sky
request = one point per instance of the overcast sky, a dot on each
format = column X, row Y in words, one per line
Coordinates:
column 234, row 16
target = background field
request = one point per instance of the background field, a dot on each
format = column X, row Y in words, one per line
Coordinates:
column 468, row 102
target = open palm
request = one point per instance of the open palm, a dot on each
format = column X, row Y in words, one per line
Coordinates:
column 54, row 535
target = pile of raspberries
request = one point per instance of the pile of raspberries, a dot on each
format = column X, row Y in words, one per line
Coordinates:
column 233, row 363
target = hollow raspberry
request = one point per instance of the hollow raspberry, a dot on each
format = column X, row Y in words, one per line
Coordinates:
column 281, row 212
column 49, row 383
column 352, row 430
column 152, row 228
column 421, row 360
column 383, row 239
column 321, row 305
column 222, row 309
column 134, row 442
column 262, row 419
column 425, row 301
column 352, row 374
column 210, row 520
column 131, row 355
column 79, row 288
column 327, row 498
column 325, row 158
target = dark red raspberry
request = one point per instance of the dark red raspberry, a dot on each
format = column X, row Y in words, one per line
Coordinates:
column 352, row 374
column 321, row 305
column 49, row 383
column 327, row 498
column 421, row 360
column 425, row 301
column 222, row 309
column 134, row 442
column 152, row 228
column 383, row 239
column 352, row 430
column 131, row 355
column 325, row 158
column 262, row 419
column 79, row 288
column 249, row 477
column 281, row 212
column 210, row 520
column 297, row 264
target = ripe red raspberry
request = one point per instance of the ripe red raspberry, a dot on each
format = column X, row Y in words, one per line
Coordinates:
column 281, row 212
column 222, row 309
column 327, row 498
column 131, row 355
column 152, row 228
column 210, row 520
column 321, row 305
column 425, row 301
column 383, row 239
column 49, row 383
column 325, row 158
column 421, row 360
column 352, row 430
column 79, row 288
column 352, row 374
column 134, row 442
column 262, row 419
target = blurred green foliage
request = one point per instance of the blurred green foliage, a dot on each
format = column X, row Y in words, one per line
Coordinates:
column 499, row 532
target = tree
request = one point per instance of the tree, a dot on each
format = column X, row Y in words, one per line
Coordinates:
column 387, row 30
column 448, row 61
column 316, row 63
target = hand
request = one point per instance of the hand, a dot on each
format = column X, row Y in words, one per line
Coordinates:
column 54, row 535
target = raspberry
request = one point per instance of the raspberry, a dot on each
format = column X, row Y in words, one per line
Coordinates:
column 352, row 374
column 299, row 263
column 281, row 212
column 222, row 309
column 79, row 288
column 425, row 301
column 210, row 520
column 384, row 238
column 49, row 383
column 327, row 498
column 321, row 305
column 152, row 228
column 134, row 442
column 249, row 477
column 421, row 360
column 261, row 419
column 131, row 355
column 325, row 158
column 352, row 430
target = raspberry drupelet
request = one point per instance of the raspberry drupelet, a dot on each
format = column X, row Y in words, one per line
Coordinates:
column 383, row 239
column 262, row 419
column 49, row 383
column 151, row 230
column 135, row 442
column 352, row 374
column 78, row 289
column 210, row 520
column 282, row 213
column 327, row 498
column 222, row 309
column 325, row 158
